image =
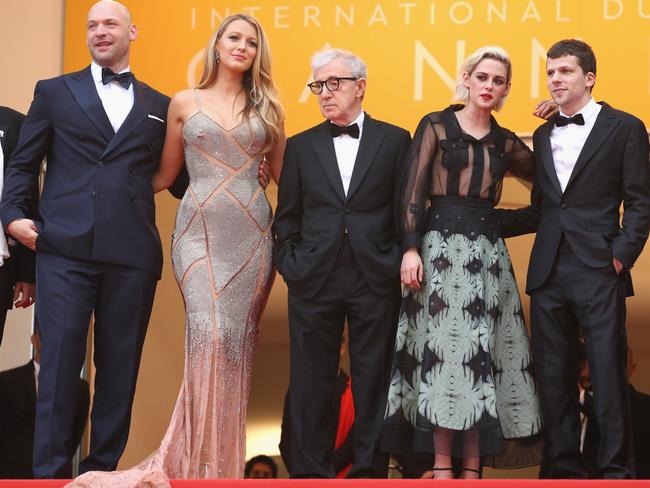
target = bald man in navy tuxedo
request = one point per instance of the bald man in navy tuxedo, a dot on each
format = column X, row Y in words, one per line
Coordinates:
column 98, row 251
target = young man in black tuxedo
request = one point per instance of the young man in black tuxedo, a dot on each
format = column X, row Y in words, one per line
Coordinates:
column 337, row 248
column 589, row 160
column 17, row 270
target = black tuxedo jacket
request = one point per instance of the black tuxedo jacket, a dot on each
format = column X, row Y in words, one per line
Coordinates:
column 17, row 413
column 97, row 202
column 20, row 265
column 313, row 212
column 612, row 168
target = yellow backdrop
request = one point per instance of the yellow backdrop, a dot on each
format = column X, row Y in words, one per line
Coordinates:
column 412, row 48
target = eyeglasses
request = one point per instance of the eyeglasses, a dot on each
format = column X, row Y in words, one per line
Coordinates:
column 332, row 84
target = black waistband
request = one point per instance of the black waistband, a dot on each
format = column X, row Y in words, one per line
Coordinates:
column 471, row 202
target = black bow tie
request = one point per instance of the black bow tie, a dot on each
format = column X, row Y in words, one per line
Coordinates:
column 577, row 119
column 125, row 79
column 351, row 130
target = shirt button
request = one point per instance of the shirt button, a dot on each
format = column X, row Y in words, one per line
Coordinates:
column 100, row 164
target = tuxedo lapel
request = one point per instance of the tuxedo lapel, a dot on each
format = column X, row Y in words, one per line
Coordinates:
column 82, row 87
column 371, row 139
column 323, row 144
column 605, row 124
column 546, row 154
column 142, row 101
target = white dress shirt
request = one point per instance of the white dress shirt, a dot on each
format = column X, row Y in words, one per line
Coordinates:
column 567, row 142
column 346, row 148
column 4, row 248
column 117, row 101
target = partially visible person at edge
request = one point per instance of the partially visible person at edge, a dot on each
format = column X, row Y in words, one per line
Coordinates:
column 17, row 262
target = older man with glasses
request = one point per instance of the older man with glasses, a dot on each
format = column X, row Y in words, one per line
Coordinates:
column 337, row 248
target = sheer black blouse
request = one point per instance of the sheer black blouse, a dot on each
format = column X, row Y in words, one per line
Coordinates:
column 446, row 161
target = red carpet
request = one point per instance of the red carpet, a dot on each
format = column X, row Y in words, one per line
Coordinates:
column 492, row 483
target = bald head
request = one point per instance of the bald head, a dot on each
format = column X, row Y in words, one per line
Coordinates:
column 110, row 33
column 120, row 9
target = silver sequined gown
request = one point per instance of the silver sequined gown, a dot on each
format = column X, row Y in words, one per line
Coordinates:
column 221, row 254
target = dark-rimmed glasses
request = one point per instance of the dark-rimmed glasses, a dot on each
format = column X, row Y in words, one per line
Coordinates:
column 332, row 84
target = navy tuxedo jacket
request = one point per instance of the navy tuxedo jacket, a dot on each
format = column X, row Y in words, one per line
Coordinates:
column 97, row 202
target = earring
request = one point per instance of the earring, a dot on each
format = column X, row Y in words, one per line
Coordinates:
column 217, row 56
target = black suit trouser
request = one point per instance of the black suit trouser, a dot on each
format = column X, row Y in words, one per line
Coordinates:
column 316, row 326
column 579, row 299
column 68, row 292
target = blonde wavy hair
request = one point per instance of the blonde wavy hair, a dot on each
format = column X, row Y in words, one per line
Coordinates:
column 261, row 94
column 461, row 93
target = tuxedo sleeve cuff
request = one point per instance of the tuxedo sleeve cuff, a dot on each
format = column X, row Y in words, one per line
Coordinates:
column 8, row 215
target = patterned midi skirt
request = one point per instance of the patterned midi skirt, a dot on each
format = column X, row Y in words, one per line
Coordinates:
column 462, row 357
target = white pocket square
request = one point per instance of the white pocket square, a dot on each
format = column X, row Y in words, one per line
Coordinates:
column 156, row 118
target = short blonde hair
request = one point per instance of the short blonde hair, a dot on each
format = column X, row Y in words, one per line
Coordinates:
column 461, row 93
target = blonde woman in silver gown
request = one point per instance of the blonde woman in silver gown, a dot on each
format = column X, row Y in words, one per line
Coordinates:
column 221, row 254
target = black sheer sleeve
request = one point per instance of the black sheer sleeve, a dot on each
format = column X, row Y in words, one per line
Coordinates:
column 521, row 161
column 417, row 183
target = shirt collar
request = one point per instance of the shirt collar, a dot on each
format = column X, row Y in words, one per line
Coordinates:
column 588, row 111
column 96, row 71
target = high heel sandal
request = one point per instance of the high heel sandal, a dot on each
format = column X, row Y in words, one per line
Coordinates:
column 472, row 470
column 442, row 469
